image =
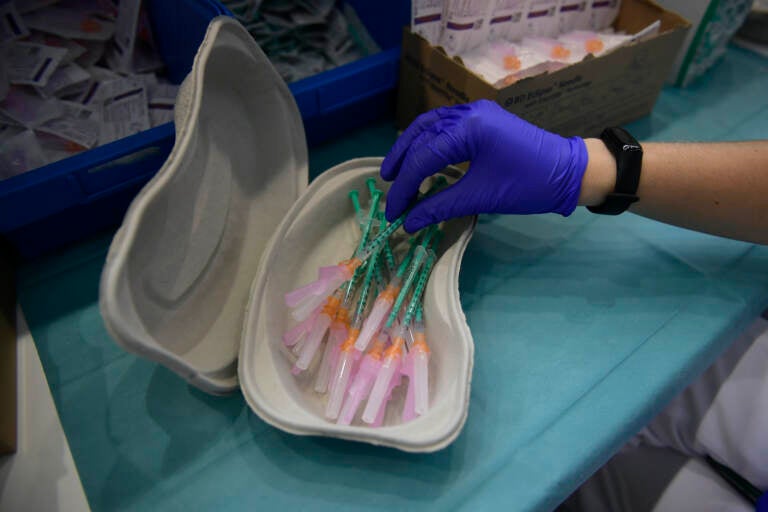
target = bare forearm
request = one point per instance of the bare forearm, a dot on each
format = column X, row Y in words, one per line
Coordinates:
column 718, row 188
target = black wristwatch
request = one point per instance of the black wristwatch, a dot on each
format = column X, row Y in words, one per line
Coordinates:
column 629, row 161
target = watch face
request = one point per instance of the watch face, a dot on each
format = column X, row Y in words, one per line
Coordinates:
column 629, row 156
column 620, row 139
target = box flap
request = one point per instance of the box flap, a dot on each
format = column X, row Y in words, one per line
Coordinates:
column 176, row 281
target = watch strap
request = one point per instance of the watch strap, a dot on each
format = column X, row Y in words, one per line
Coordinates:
column 629, row 157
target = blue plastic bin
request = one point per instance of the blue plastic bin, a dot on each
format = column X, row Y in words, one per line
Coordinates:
column 73, row 198
column 339, row 100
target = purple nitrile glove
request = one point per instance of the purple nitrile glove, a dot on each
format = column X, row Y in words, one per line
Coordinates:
column 762, row 503
column 515, row 167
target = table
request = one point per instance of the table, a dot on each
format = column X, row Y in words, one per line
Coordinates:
column 584, row 328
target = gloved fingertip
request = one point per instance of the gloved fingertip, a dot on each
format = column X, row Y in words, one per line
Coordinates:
column 414, row 223
column 391, row 211
column 387, row 171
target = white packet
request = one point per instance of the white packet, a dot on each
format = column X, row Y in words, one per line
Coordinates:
column 102, row 74
column 162, row 98
column 6, row 120
column 74, row 91
column 145, row 60
column 574, row 15
column 124, row 115
column 32, row 63
column 120, row 58
column 9, row 130
column 79, row 124
column 595, row 43
column 506, row 20
column 337, row 30
column 63, row 79
column 554, row 49
column 74, row 50
column 603, row 12
column 427, row 19
column 94, row 50
column 101, row 89
column 484, row 62
column 160, row 114
column 133, row 49
column 502, row 63
column 541, row 18
column 19, row 154
column 244, row 10
column 81, row 112
column 148, row 79
column 345, row 53
column 340, row 48
column 70, row 24
column 301, row 18
column 55, row 148
column 465, row 25
column 12, row 26
column 29, row 109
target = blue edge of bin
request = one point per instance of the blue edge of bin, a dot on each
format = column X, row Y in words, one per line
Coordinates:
column 68, row 200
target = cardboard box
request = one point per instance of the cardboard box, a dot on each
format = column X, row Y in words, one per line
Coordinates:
column 8, row 370
column 580, row 99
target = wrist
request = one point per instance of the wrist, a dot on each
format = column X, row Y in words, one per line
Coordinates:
column 599, row 178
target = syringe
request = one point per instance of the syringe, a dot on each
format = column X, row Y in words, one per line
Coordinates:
column 385, row 304
column 394, row 353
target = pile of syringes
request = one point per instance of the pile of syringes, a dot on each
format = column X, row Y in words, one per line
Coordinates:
column 370, row 343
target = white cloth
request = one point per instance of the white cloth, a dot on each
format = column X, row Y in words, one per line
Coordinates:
column 724, row 414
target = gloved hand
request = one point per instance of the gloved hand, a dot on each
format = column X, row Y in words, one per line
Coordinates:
column 515, row 167
column 762, row 503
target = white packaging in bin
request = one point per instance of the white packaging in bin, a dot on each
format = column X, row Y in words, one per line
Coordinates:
column 574, row 15
column 506, row 20
column 427, row 19
column 465, row 25
column 541, row 18
column 603, row 12
column 196, row 275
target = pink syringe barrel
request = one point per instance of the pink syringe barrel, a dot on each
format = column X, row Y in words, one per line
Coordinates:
column 315, row 336
column 421, row 382
column 295, row 297
column 294, row 334
column 341, row 375
column 337, row 335
column 311, row 301
column 311, row 344
column 390, row 367
column 360, row 388
column 383, row 409
column 381, row 308
column 419, row 356
column 408, row 408
column 305, row 299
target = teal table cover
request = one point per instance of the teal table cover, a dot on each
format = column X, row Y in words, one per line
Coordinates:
column 584, row 328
